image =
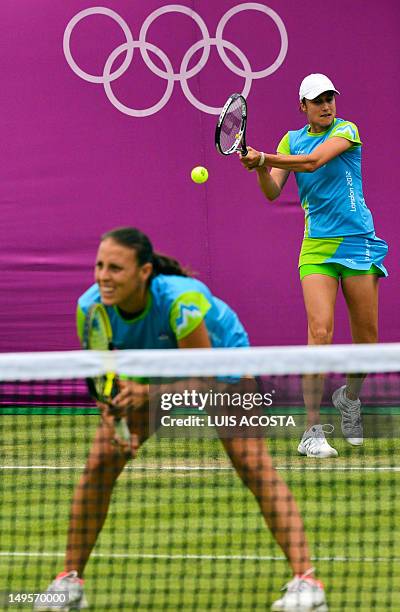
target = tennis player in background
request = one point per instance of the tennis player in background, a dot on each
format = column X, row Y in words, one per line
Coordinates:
column 146, row 296
column 339, row 245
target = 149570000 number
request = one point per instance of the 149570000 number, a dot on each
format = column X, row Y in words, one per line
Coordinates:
column 60, row 598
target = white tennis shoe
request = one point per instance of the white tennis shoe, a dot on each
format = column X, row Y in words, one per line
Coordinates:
column 314, row 443
column 64, row 593
column 350, row 410
column 303, row 594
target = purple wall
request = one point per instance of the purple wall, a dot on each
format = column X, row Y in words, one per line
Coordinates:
column 73, row 165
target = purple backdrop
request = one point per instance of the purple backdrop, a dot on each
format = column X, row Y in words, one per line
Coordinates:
column 74, row 164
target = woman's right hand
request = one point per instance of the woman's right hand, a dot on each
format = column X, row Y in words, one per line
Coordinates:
column 251, row 160
column 132, row 395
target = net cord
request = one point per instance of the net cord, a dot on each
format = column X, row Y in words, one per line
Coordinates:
column 280, row 360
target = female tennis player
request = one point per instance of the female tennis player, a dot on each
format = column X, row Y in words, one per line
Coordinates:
column 340, row 244
column 153, row 303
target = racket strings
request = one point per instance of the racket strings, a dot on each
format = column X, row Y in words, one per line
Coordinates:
column 232, row 126
column 98, row 334
column 99, row 339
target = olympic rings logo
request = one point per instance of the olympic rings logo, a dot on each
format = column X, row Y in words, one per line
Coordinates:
column 108, row 76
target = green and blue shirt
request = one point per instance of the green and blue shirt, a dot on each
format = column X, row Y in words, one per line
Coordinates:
column 176, row 306
column 332, row 196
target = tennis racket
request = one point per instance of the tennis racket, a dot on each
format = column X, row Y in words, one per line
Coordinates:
column 230, row 133
column 97, row 336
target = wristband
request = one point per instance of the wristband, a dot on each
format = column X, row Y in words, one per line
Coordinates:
column 262, row 159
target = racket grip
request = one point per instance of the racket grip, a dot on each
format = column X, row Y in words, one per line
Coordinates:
column 122, row 429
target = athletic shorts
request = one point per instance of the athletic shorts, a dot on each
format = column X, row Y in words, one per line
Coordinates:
column 343, row 256
column 335, row 270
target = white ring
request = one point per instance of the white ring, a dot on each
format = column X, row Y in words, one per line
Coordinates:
column 255, row 6
column 203, row 28
column 212, row 110
column 96, row 10
column 132, row 112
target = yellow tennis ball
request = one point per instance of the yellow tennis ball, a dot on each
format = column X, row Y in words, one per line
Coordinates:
column 199, row 174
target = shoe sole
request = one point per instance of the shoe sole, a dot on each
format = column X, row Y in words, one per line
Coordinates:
column 319, row 608
column 355, row 441
column 331, row 454
column 324, row 456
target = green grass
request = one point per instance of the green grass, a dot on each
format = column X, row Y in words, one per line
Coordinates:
column 160, row 516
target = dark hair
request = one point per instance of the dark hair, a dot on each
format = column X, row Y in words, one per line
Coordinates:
column 134, row 239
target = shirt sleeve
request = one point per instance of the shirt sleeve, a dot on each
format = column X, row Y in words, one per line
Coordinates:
column 284, row 145
column 187, row 312
column 347, row 130
column 80, row 322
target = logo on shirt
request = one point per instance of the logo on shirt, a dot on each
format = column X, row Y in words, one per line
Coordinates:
column 347, row 130
column 351, row 196
column 186, row 313
column 162, row 337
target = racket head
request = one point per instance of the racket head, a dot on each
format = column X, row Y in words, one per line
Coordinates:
column 230, row 132
column 97, row 336
column 97, row 332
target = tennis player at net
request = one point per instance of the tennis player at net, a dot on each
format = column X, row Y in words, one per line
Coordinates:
column 146, row 296
column 339, row 245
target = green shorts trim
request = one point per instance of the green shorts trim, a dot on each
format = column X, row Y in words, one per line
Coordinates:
column 335, row 270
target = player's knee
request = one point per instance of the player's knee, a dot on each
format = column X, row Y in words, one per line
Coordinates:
column 321, row 334
column 252, row 473
column 254, row 479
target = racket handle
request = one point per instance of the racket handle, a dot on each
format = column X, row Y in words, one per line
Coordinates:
column 122, row 429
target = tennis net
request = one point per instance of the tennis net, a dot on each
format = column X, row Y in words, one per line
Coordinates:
column 185, row 529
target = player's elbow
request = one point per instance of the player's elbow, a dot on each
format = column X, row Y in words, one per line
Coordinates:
column 311, row 165
column 273, row 196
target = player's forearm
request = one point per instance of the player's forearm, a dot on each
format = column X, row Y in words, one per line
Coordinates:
column 267, row 184
column 297, row 163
